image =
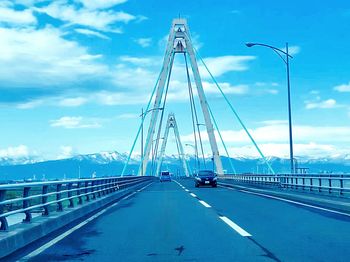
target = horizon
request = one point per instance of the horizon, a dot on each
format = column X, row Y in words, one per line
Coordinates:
column 76, row 74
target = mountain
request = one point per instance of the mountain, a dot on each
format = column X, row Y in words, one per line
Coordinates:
column 112, row 163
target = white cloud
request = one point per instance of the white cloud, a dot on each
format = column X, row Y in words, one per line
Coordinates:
column 144, row 42
column 292, row 50
column 15, row 152
column 71, row 122
column 141, row 61
column 329, row 103
column 66, row 152
column 120, row 98
column 9, row 16
column 128, row 116
column 73, row 102
column 29, row 53
column 273, row 138
column 101, row 4
column 30, row 104
column 103, row 20
column 309, row 150
column 227, row 88
column 224, row 64
column 90, row 33
column 343, row 88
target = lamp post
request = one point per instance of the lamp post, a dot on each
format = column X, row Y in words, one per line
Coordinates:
column 154, row 154
column 286, row 61
column 195, row 154
column 143, row 115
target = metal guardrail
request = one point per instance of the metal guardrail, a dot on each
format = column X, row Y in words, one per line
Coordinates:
column 45, row 197
column 330, row 183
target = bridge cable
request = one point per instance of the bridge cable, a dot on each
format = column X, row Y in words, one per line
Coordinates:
column 154, row 157
column 222, row 140
column 235, row 113
column 142, row 121
column 195, row 112
column 192, row 114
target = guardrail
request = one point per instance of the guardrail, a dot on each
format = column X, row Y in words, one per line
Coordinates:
column 45, row 197
column 330, row 183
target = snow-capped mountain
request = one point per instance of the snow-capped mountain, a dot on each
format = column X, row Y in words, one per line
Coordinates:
column 112, row 164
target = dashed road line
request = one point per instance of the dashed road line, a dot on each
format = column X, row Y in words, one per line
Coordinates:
column 223, row 218
column 193, row 195
column 234, row 226
column 204, row 203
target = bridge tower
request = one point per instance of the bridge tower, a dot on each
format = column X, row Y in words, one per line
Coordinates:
column 171, row 123
column 179, row 41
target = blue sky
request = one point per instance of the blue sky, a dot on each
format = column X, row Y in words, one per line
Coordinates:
column 75, row 74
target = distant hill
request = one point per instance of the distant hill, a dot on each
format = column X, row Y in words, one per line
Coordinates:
column 112, row 163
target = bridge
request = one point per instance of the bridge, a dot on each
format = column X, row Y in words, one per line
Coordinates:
column 248, row 217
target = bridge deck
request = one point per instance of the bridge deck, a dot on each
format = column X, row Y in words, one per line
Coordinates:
column 164, row 222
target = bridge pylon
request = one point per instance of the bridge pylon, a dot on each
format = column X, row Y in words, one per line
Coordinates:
column 171, row 123
column 179, row 41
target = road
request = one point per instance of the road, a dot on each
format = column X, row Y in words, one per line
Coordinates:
column 174, row 221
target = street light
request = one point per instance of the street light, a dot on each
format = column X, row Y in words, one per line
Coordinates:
column 143, row 115
column 153, row 158
column 286, row 61
column 195, row 154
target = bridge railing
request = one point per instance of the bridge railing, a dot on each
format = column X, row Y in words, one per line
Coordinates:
column 331, row 183
column 45, row 197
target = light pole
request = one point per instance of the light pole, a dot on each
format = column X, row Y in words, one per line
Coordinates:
column 195, row 155
column 143, row 115
column 154, row 154
column 286, row 61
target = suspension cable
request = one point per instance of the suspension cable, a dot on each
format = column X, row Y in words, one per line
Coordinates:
column 162, row 114
column 142, row 121
column 235, row 113
column 195, row 111
column 192, row 114
column 222, row 140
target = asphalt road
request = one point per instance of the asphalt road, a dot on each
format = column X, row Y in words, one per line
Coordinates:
column 177, row 222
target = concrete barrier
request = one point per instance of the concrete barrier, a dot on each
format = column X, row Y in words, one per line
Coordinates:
column 340, row 204
column 21, row 235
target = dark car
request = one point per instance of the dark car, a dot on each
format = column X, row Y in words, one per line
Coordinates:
column 164, row 176
column 205, row 178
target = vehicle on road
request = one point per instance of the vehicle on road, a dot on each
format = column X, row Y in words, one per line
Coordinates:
column 205, row 178
column 165, row 176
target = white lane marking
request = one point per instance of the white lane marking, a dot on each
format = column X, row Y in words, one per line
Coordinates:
column 193, row 195
column 128, row 196
column 70, row 231
column 234, row 226
column 187, row 190
column 291, row 201
column 204, row 203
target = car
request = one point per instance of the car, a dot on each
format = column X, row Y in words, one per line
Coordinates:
column 165, row 176
column 205, row 178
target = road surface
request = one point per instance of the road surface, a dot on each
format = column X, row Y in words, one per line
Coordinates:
column 174, row 221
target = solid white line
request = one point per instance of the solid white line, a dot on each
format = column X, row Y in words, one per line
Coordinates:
column 70, row 231
column 236, row 227
column 193, row 195
column 291, row 201
column 204, row 203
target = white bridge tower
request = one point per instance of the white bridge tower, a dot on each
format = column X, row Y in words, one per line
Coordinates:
column 179, row 41
column 171, row 123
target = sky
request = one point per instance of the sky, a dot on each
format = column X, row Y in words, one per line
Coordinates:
column 75, row 74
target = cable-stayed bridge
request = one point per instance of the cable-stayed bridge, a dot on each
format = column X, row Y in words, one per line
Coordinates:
column 248, row 217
